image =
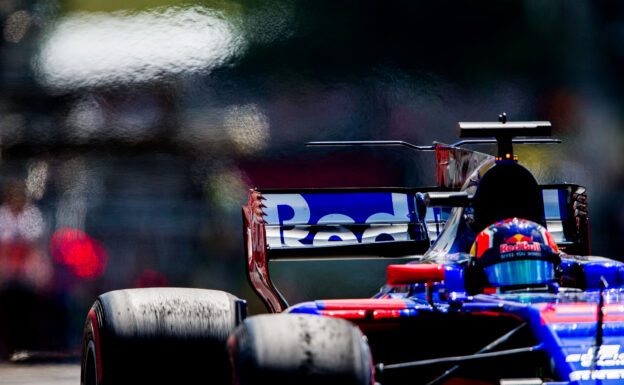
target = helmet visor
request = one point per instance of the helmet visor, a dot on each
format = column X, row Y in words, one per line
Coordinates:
column 520, row 272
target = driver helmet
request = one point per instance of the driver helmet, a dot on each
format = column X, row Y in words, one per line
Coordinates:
column 515, row 252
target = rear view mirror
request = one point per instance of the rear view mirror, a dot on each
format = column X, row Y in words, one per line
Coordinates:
column 415, row 273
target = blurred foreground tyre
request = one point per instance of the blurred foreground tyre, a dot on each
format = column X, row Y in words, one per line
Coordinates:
column 299, row 349
column 159, row 335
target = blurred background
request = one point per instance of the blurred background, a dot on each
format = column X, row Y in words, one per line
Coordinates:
column 131, row 130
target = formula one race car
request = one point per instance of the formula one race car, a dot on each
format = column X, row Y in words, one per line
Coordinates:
column 498, row 288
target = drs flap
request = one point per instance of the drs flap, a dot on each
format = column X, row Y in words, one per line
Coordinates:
column 326, row 219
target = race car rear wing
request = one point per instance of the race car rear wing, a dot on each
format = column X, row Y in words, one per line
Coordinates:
column 332, row 221
column 281, row 224
column 390, row 222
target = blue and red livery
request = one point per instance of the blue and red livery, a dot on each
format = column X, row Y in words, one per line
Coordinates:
column 440, row 319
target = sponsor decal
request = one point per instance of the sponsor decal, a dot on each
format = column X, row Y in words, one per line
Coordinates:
column 519, row 246
column 608, row 355
column 296, row 220
column 602, row 374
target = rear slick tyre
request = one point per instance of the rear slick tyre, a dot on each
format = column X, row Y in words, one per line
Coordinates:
column 286, row 349
column 158, row 336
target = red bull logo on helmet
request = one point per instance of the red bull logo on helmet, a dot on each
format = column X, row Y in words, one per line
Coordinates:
column 519, row 242
column 519, row 238
column 514, row 235
column 519, row 246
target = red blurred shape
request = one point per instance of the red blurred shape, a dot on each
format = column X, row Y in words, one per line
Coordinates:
column 346, row 314
column 415, row 273
column 83, row 255
column 363, row 304
column 151, row 278
column 381, row 314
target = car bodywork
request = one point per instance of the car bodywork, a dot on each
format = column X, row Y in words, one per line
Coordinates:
column 430, row 323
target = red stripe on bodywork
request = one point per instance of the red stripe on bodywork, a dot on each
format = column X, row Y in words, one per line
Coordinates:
column 579, row 312
column 496, row 314
column 96, row 336
column 362, row 304
column 345, row 314
column 383, row 314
